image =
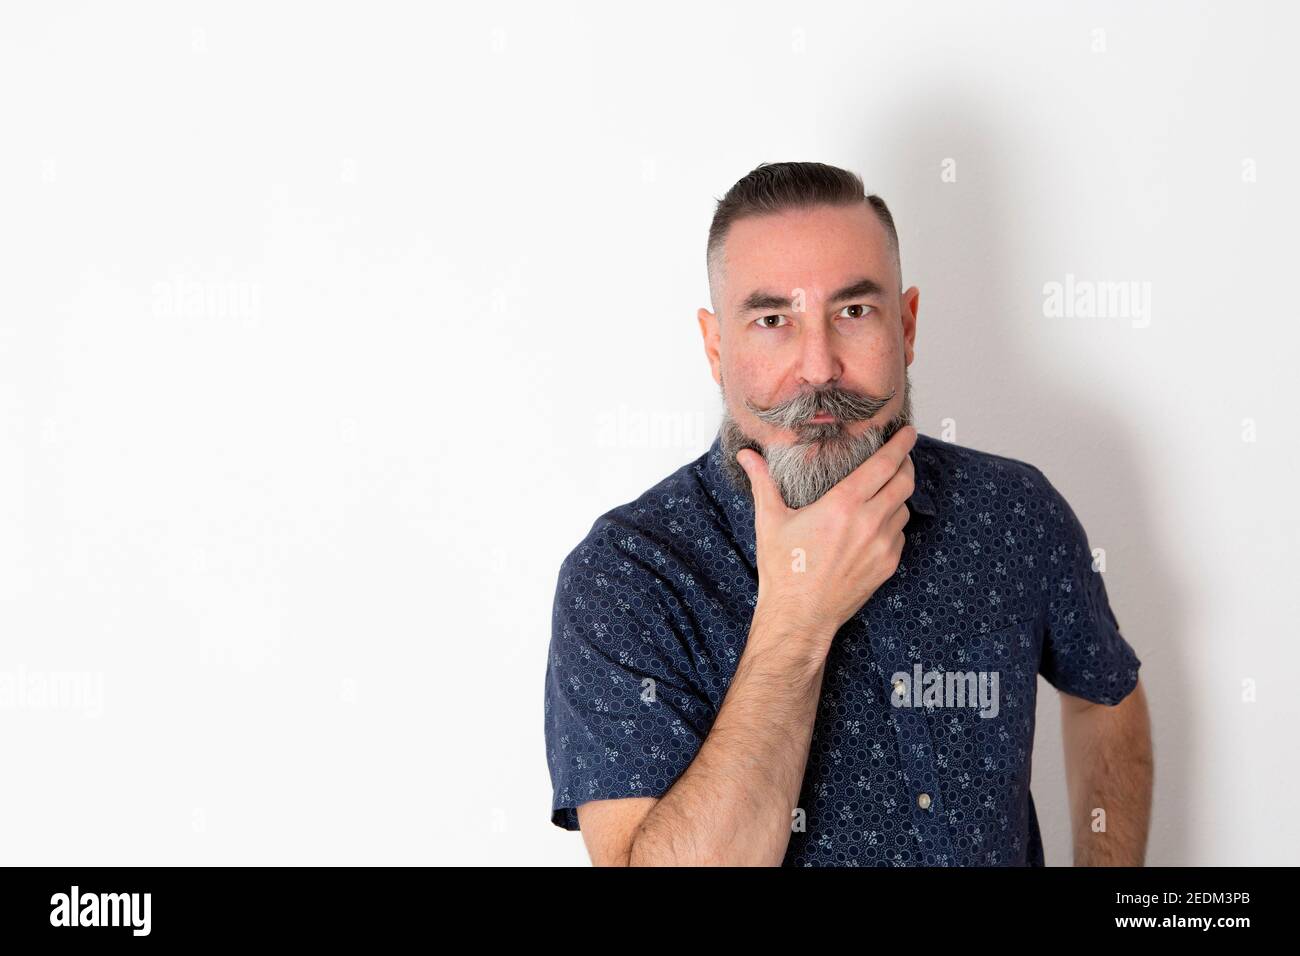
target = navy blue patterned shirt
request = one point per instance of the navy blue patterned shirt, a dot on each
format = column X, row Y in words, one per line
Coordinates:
column 652, row 611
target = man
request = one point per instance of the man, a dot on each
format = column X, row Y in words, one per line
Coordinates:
column 818, row 644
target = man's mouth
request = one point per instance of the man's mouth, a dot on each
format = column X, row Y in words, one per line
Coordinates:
column 821, row 418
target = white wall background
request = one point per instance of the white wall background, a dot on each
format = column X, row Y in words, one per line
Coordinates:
column 327, row 330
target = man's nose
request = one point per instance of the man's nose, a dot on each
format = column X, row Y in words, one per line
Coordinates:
column 819, row 363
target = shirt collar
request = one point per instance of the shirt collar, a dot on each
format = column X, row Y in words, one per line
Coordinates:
column 738, row 504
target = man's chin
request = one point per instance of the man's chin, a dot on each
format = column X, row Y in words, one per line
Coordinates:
column 812, row 460
column 834, row 433
column 818, row 440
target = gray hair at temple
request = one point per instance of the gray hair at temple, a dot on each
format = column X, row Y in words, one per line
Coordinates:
column 776, row 187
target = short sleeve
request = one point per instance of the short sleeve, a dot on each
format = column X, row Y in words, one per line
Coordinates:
column 1084, row 654
column 623, row 718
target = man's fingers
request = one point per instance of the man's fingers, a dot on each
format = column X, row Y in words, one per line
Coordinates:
column 897, row 521
column 896, row 491
column 766, row 494
column 869, row 477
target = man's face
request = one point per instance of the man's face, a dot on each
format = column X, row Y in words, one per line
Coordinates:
column 810, row 344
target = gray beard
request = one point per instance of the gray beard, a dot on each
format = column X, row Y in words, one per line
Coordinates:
column 822, row 457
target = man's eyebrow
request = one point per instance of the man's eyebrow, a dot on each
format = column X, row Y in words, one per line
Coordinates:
column 861, row 289
column 763, row 300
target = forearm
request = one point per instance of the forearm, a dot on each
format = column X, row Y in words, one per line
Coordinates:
column 733, row 804
column 1109, row 768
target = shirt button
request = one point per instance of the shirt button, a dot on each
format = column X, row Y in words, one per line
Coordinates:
column 923, row 801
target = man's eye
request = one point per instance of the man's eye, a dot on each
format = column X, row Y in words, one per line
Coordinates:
column 771, row 321
column 862, row 311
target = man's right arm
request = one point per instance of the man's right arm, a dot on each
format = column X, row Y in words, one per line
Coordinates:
column 733, row 804
column 816, row 566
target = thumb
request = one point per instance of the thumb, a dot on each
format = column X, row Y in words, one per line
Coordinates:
column 766, row 495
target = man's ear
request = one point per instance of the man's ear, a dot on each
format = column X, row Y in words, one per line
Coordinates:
column 910, row 306
column 712, row 342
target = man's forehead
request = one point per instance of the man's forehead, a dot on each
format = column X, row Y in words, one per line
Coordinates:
column 818, row 250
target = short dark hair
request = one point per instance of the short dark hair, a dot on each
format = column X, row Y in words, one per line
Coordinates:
column 773, row 187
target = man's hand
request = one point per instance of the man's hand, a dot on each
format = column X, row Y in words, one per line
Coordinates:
column 818, row 565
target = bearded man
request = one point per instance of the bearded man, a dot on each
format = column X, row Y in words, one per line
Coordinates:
column 818, row 644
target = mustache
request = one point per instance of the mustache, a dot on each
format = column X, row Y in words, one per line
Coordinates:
column 845, row 404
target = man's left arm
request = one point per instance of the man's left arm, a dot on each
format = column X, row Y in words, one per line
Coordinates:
column 1109, row 773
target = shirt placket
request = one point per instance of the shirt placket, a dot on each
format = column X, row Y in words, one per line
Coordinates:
column 915, row 748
